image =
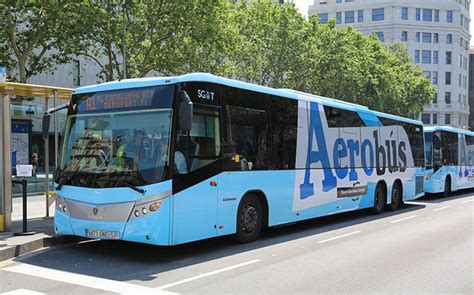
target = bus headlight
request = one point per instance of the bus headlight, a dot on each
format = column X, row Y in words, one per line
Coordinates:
column 154, row 206
column 145, row 208
column 61, row 205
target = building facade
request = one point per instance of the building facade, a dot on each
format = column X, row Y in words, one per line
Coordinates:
column 436, row 35
column 471, row 88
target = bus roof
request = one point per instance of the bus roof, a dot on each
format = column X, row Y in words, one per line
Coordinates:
column 448, row 129
column 205, row 77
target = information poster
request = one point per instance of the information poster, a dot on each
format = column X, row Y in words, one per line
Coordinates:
column 20, row 143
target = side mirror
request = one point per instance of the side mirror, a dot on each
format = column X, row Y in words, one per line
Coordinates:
column 46, row 121
column 185, row 112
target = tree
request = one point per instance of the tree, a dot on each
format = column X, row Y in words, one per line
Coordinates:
column 147, row 27
column 36, row 33
column 272, row 40
column 347, row 65
column 208, row 39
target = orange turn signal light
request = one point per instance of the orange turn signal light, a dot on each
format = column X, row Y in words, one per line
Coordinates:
column 154, row 206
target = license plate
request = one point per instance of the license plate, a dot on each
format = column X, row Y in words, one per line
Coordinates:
column 102, row 234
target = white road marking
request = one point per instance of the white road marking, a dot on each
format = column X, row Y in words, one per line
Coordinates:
column 403, row 219
column 22, row 292
column 208, row 274
column 468, row 201
column 442, row 208
column 341, row 236
column 82, row 280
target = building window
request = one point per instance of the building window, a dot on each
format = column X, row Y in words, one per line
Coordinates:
column 435, row 57
column 380, row 36
column 427, row 15
column 338, row 1
column 76, row 73
column 449, row 38
column 460, row 85
column 447, row 97
column 447, row 119
column 427, row 74
column 435, row 97
column 404, row 36
column 435, row 38
column 338, row 17
column 426, row 118
column 426, row 57
column 418, row 36
column 459, row 98
column 349, row 17
column 436, row 15
column 435, row 78
column 405, row 13
column 323, row 18
column 449, row 16
column 448, row 57
column 460, row 60
column 378, row 14
column 426, row 37
column 360, row 16
column 435, row 119
column 448, row 78
column 417, row 56
column 418, row 14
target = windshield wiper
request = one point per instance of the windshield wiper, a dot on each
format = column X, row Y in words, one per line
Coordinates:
column 137, row 189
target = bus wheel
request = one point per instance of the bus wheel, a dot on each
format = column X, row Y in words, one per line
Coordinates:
column 379, row 200
column 396, row 196
column 249, row 219
column 447, row 187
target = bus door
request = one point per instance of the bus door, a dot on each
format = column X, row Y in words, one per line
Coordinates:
column 197, row 162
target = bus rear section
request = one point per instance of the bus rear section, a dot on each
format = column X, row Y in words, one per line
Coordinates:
column 449, row 159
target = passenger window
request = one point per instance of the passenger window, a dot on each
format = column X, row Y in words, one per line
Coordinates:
column 342, row 118
column 202, row 146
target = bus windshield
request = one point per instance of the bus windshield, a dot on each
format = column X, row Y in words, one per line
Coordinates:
column 120, row 142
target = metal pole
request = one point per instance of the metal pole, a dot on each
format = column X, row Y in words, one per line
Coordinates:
column 56, row 136
column 6, row 162
column 46, row 166
column 24, row 187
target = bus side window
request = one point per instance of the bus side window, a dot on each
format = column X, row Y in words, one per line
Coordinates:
column 202, row 146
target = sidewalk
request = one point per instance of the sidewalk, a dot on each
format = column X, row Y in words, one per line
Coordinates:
column 13, row 246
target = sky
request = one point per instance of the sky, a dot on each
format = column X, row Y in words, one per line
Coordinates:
column 303, row 5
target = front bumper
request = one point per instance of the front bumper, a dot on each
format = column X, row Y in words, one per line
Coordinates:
column 152, row 228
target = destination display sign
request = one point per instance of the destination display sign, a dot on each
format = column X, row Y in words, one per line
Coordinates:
column 118, row 100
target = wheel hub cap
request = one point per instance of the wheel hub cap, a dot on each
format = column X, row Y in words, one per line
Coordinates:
column 249, row 219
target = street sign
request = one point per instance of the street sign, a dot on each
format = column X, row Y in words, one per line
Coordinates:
column 3, row 75
column 24, row 170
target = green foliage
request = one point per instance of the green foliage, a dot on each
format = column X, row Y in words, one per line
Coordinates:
column 255, row 41
column 35, row 33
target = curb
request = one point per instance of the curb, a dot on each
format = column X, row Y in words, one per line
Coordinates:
column 41, row 242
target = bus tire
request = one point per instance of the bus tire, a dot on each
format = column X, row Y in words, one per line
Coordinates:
column 447, row 187
column 379, row 200
column 249, row 219
column 397, row 196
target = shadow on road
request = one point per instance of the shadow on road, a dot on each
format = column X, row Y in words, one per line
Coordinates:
column 438, row 198
column 124, row 261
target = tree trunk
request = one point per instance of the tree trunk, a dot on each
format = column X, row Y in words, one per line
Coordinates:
column 22, row 70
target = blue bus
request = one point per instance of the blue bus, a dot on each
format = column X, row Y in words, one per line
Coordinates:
column 171, row 160
column 449, row 159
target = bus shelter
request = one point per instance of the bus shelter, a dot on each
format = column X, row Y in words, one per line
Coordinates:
column 7, row 91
